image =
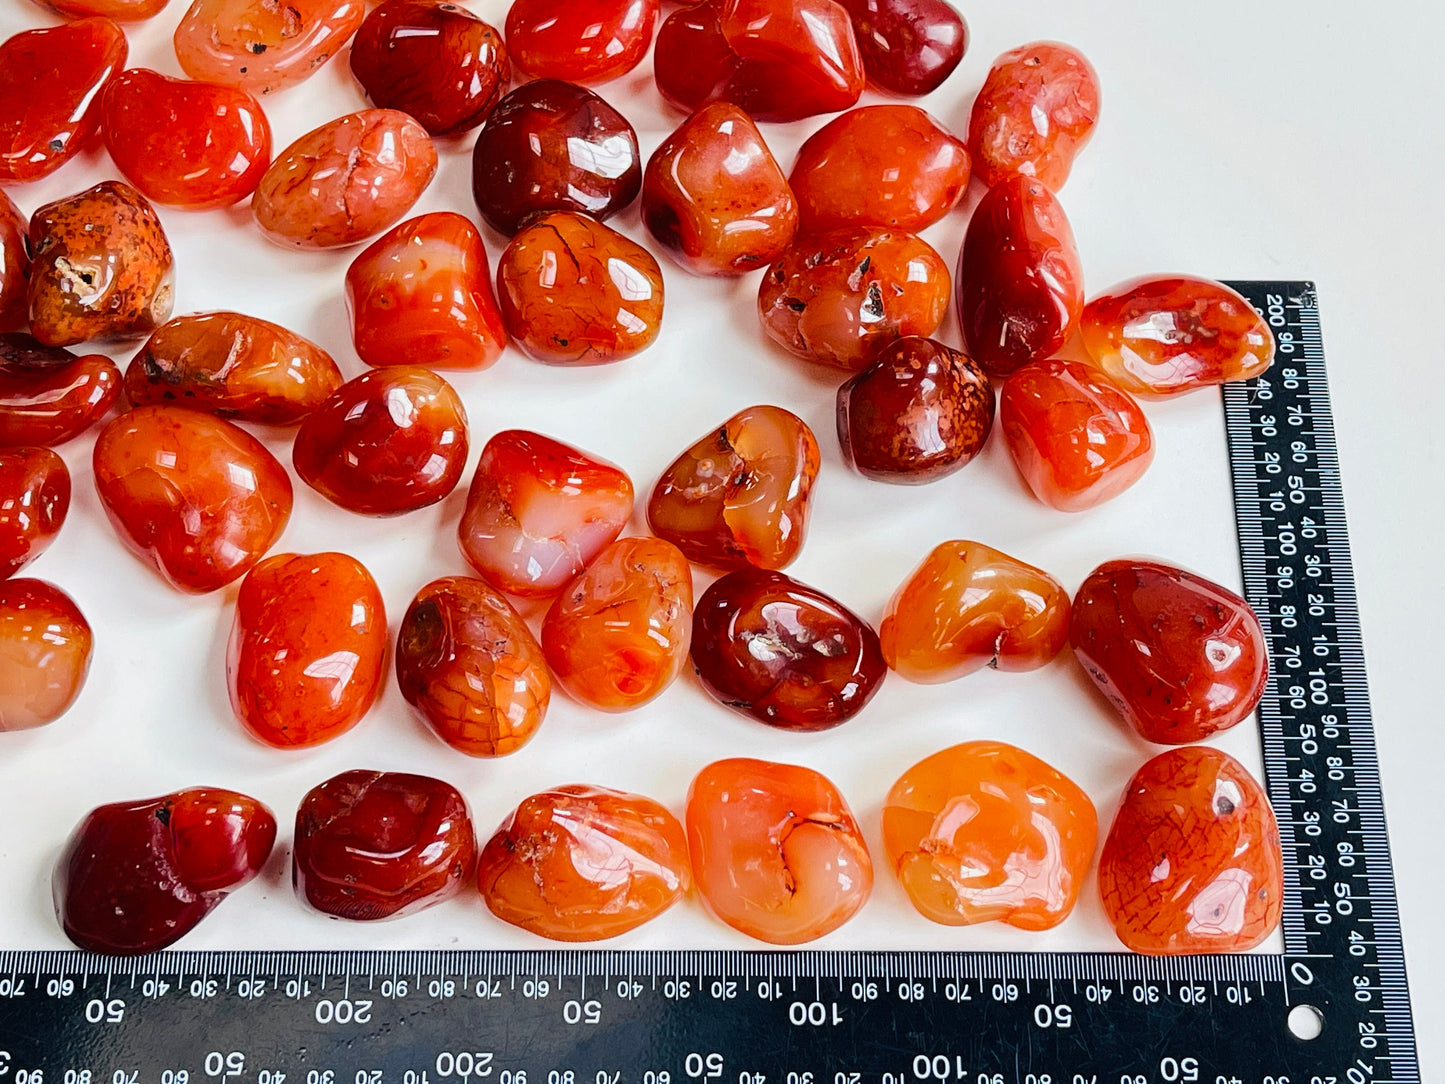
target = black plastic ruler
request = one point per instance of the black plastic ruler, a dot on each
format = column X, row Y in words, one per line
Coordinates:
column 1332, row 1009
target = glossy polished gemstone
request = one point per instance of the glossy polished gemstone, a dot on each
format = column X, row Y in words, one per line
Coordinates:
column 233, row 365
column 14, row 265
column 34, row 500
column 985, row 832
column 472, row 669
column 50, row 88
column 739, row 497
column 552, row 146
column 432, row 59
column 1192, row 862
column 584, row 41
column 261, row 45
column 776, row 852
column 908, row 46
column 967, row 606
column 1020, row 285
column 1077, row 439
column 196, row 145
column 617, row 635
column 539, row 511
column 1037, row 109
column 373, row 845
column 421, row 294
column 45, row 644
column 919, row 412
column 49, row 395
column 101, row 267
column 135, row 877
column 838, row 298
column 1180, row 657
column 888, row 166
column 340, row 183
column 198, row 498
column 119, row 10
column 580, row 863
column 714, row 197
column 390, row 441
column 784, row 653
column 575, row 292
column 308, row 647
column 1168, row 334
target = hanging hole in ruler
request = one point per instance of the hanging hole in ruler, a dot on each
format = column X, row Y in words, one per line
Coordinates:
column 1306, row 1022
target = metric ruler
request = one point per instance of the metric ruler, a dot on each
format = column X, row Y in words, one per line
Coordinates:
column 1332, row 1009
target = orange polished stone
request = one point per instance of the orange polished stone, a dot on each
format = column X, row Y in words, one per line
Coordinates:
column 580, row 863
column 470, row 666
column 421, row 294
column 889, row 166
column 261, row 45
column 1192, row 862
column 119, row 10
column 581, row 41
column 738, row 498
column 908, row 46
column 198, row 498
column 1077, row 439
column 45, row 646
column 308, row 647
column 985, row 832
column 617, row 635
column 34, row 500
column 1168, row 334
column 968, row 606
column 776, row 852
column 14, row 265
column 49, row 395
column 715, row 198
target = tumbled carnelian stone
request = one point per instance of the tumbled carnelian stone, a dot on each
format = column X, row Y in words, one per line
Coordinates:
column 100, row 267
column 782, row 652
column 198, row 498
column 346, row 180
column 580, row 863
column 34, row 500
column 233, row 365
column 539, row 511
column 421, row 294
column 196, row 145
column 432, row 59
column 967, row 606
column 583, row 41
column 775, row 850
column 1020, row 286
column 307, row 649
column 135, row 877
column 1167, row 334
column 617, row 635
column 714, row 197
column 1077, row 439
column 14, row 265
column 908, row 46
column 470, row 666
column 50, row 86
column 1179, row 656
column 261, row 45
column 1037, row 109
column 575, row 292
column 45, row 644
column 985, row 832
column 374, row 845
column 1192, row 862
column 890, row 166
column 49, row 395
column 119, row 10
column 839, row 297
column 739, row 497
column 390, row 441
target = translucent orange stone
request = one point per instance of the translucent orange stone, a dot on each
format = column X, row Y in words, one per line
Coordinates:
column 985, row 832
column 580, row 863
column 775, row 850
column 49, row 395
column 1192, row 862
column 14, row 265
column 34, row 500
column 582, row 41
column 968, row 606
column 45, row 644
column 262, row 45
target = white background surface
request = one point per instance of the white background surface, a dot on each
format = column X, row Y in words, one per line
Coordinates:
column 1239, row 140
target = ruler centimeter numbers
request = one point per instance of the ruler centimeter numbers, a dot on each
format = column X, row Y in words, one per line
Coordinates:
column 606, row 1017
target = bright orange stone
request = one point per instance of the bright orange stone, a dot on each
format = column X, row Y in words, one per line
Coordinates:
column 34, row 500
column 14, row 265
column 262, row 45
column 985, row 832
column 49, row 395
column 581, row 41
column 45, row 644
column 580, row 863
